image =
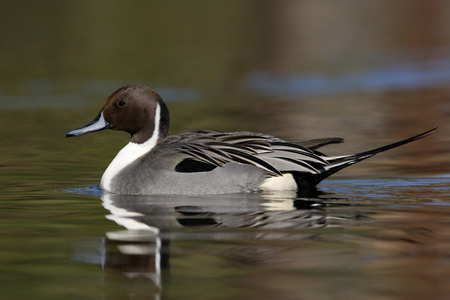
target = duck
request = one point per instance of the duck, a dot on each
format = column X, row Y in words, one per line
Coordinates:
column 207, row 161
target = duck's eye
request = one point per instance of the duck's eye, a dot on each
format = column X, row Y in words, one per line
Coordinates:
column 121, row 103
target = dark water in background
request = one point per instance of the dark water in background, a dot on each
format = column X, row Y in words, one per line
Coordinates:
column 371, row 73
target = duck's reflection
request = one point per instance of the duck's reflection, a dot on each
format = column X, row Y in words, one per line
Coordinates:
column 154, row 213
column 142, row 250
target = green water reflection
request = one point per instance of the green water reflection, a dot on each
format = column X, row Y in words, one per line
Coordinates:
column 177, row 43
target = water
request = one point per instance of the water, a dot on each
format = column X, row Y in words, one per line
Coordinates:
column 370, row 73
column 386, row 238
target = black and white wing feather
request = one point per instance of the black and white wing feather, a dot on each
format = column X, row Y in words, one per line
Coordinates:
column 273, row 155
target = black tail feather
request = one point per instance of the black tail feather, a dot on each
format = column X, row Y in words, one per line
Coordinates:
column 344, row 161
column 366, row 154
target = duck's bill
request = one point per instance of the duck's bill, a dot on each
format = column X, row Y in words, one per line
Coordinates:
column 99, row 123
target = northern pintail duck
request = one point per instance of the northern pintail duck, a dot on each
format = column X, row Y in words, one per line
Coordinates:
column 206, row 161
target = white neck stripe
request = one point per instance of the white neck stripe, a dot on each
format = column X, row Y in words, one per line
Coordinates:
column 130, row 153
column 155, row 135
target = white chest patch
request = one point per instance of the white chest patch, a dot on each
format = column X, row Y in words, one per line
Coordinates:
column 129, row 154
column 279, row 183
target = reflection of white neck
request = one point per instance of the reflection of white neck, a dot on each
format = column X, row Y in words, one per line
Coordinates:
column 124, row 217
column 129, row 154
column 134, row 235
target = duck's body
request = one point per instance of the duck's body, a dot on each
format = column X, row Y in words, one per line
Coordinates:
column 210, row 162
column 206, row 162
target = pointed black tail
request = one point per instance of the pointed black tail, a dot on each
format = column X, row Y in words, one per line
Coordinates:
column 339, row 163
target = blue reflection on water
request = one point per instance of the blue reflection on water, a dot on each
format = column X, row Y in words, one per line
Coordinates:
column 72, row 93
column 407, row 76
column 86, row 190
column 437, row 203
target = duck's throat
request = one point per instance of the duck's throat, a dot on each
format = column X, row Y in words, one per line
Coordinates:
column 129, row 154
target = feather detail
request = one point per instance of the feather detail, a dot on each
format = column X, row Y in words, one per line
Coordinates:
column 273, row 155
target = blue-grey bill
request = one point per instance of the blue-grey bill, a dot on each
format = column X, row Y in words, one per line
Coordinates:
column 99, row 123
